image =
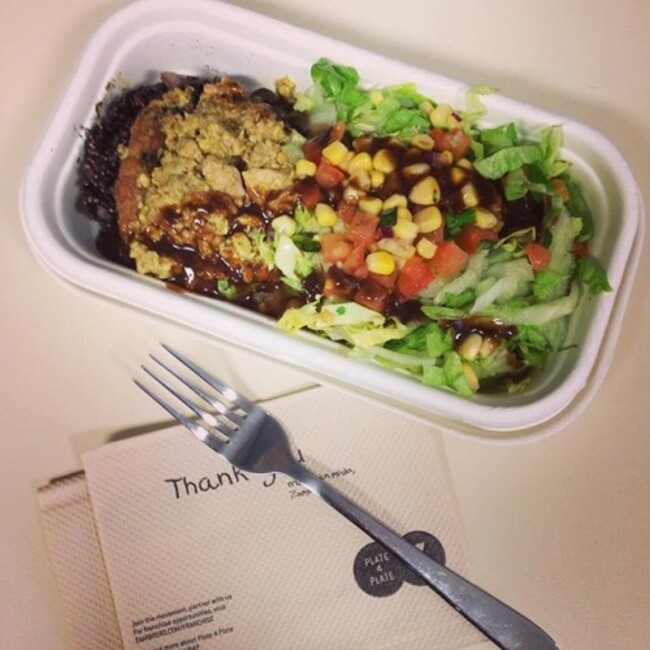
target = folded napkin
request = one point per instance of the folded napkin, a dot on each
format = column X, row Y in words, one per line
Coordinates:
column 162, row 544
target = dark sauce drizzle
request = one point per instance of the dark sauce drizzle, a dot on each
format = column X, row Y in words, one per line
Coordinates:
column 99, row 166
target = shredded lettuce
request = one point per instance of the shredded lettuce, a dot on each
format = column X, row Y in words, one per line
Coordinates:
column 390, row 111
column 263, row 246
column 294, row 263
column 454, row 374
column 499, row 137
column 562, row 262
column 507, row 160
column 336, row 94
column 347, row 321
column 293, row 148
column 550, row 163
column 474, row 107
column 537, row 314
column 501, row 290
column 593, row 276
column 468, row 279
column 426, row 353
column 287, row 256
column 578, row 207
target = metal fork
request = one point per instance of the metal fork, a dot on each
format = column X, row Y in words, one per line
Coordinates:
column 250, row 439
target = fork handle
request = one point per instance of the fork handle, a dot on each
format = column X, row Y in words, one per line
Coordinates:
column 504, row 626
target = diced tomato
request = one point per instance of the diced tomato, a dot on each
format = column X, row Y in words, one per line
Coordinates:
column 313, row 150
column 334, row 247
column 361, row 272
column 355, row 259
column 449, row 259
column 539, row 256
column 309, row 191
column 415, row 276
column 346, row 211
column 372, row 295
column 363, row 228
column 328, row 175
column 454, row 140
column 471, row 236
column 580, row 249
column 387, row 281
column 560, row 188
column 338, row 284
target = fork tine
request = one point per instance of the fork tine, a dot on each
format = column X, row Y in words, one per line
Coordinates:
column 217, row 404
column 210, row 419
column 228, row 392
column 203, row 434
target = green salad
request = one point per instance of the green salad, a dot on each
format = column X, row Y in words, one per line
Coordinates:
column 483, row 229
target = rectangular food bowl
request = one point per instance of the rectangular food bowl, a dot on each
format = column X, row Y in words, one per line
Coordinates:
column 203, row 37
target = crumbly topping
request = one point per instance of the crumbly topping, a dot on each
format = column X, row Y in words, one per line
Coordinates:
column 211, row 158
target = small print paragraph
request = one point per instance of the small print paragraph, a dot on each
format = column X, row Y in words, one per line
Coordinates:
column 189, row 617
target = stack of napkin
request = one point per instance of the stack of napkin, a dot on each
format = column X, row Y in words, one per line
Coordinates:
column 159, row 543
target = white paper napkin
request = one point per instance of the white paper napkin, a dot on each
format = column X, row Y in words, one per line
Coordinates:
column 201, row 555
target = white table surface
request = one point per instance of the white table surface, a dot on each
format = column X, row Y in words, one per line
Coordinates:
column 559, row 528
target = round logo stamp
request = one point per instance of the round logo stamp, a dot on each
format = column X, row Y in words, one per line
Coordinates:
column 379, row 573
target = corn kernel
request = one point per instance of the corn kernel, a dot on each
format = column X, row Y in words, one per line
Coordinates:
column 425, row 248
column 457, row 175
column 395, row 201
column 380, row 262
column 428, row 219
column 440, row 115
column 377, row 178
column 340, row 227
column 470, row 346
column 361, row 178
column 352, row 193
column 465, row 163
column 422, row 141
column 425, row 192
column 405, row 230
column 400, row 250
column 384, row 161
column 362, row 160
column 446, row 157
column 488, row 347
column 484, row 218
column 469, row 195
column 371, row 205
column 470, row 377
column 325, row 215
column 347, row 159
column 416, row 169
column 284, row 225
column 335, row 152
column 453, row 122
column 305, row 167
column 404, row 214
